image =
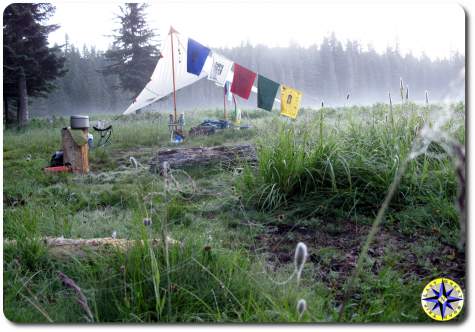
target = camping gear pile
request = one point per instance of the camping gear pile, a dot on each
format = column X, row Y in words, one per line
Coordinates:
column 74, row 156
column 209, row 127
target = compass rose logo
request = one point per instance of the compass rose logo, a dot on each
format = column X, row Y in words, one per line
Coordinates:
column 442, row 299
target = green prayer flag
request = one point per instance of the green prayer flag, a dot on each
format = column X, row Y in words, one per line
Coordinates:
column 266, row 92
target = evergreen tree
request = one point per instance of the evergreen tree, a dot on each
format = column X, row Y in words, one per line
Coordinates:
column 29, row 65
column 133, row 55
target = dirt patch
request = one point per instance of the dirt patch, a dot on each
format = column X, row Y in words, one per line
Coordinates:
column 334, row 248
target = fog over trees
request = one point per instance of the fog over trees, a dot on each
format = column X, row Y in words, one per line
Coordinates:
column 323, row 72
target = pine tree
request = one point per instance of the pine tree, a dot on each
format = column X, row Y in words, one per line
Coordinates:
column 29, row 66
column 133, row 55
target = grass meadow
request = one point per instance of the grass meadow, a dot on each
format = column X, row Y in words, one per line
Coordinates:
column 320, row 180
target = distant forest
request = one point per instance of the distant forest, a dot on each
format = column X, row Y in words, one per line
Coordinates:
column 325, row 72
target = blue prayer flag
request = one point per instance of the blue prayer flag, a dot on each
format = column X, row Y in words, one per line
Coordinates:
column 196, row 57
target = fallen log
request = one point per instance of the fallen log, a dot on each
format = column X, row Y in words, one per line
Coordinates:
column 203, row 156
column 61, row 247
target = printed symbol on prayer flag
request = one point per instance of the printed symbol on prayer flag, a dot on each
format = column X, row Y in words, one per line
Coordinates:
column 219, row 68
column 289, row 99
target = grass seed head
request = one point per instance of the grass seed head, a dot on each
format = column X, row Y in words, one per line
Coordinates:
column 301, row 307
column 134, row 162
column 300, row 258
column 401, row 87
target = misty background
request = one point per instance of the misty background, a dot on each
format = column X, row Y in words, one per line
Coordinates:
column 329, row 51
column 323, row 72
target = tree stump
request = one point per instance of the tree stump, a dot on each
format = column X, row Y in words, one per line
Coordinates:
column 76, row 151
column 203, row 156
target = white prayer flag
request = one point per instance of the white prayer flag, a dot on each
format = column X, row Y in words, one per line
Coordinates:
column 220, row 67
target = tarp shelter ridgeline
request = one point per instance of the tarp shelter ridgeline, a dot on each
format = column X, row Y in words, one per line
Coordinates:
column 161, row 82
column 192, row 62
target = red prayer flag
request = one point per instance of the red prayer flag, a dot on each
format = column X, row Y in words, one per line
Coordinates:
column 242, row 81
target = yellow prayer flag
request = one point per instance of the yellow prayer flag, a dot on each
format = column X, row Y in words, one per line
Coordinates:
column 290, row 101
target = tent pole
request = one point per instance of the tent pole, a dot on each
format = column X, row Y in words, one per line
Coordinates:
column 224, row 100
column 173, row 74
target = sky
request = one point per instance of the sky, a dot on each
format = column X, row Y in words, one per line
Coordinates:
column 436, row 29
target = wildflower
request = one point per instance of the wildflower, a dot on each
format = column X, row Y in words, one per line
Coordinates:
column 147, row 221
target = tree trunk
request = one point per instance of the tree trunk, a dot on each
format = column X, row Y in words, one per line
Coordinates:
column 5, row 111
column 22, row 115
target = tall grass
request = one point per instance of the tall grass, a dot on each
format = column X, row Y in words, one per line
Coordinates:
column 206, row 285
column 349, row 167
column 331, row 163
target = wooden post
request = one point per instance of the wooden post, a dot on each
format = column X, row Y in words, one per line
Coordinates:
column 173, row 74
column 75, row 154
